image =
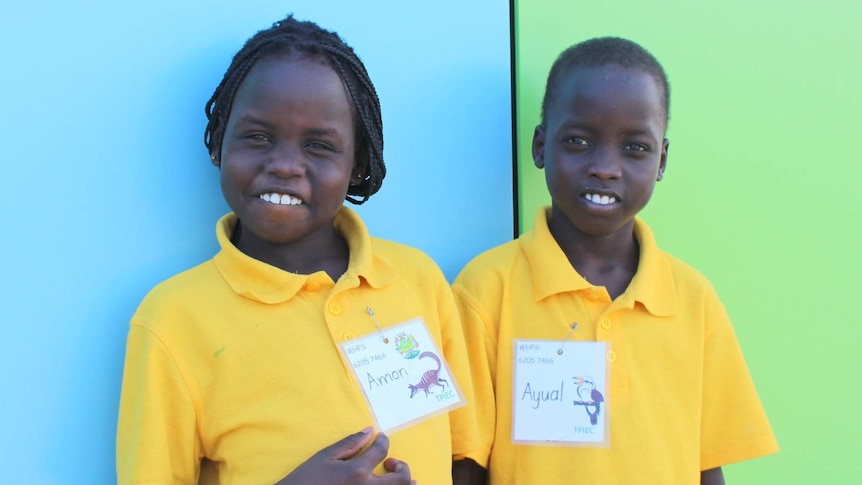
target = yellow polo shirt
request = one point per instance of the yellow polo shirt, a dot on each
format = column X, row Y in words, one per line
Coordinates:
column 681, row 398
column 237, row 361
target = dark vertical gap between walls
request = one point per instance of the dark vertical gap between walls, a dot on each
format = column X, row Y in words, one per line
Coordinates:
column 516, row 211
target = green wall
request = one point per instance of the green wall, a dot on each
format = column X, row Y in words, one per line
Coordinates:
column 762, row 192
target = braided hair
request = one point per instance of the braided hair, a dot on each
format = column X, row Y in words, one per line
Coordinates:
column 291, row 35
column 602, row 51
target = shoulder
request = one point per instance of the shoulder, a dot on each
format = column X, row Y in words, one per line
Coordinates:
column 412, row 265
column 398, row 254
column 695, row 294
column 685, row 274
column 486, row 277
column 658, row 266
column 178, row 294
column 496, row 259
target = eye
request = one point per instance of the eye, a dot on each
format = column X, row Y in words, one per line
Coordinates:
column 258, row 137
column 636, row 147
column 575, row 140
column 321, row 147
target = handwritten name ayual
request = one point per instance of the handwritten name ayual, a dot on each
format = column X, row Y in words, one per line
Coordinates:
column 539, row 395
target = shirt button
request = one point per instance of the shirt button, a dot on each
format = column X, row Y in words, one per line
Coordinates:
column 612, row 356
column 606, row 324
column 348, row 336
column 313, row 286
column 335, row 309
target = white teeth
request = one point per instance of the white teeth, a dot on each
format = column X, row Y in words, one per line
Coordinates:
column 600, row 199
column 281, row 199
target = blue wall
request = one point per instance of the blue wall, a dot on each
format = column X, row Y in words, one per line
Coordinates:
column 110, row 190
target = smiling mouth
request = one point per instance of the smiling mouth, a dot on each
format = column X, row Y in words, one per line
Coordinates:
column 600, row 199
column 281, row 199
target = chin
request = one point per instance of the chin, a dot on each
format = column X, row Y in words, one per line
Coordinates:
column 599, row 230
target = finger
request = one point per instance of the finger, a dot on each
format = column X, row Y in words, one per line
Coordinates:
column 397, row 467
column 375, row 453
column 399, row 473
column 349, row 446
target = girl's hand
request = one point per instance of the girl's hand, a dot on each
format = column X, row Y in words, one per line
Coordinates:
column 345, row 463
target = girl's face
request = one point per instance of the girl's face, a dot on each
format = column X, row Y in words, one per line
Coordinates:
column 288, row 151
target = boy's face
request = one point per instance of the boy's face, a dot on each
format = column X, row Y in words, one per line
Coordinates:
column 288, row 152
column 602, row 148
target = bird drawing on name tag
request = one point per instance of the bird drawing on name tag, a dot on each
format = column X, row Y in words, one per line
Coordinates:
column 589, row 397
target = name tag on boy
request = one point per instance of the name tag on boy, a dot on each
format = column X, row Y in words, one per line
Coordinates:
column 403, row 374
column 560, row 393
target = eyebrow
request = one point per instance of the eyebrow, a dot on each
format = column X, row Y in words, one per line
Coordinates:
column 321, row 132
column 324, row 132
column 252, row 120
column 569, row 124
column 639, row 132
column 590, row 128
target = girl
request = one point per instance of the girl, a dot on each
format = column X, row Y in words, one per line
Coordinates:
column 236, row 362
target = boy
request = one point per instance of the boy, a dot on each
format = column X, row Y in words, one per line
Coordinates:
column 678, row 402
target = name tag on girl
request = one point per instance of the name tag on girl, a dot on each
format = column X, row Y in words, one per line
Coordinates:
column 560, row 393
column 403, row 374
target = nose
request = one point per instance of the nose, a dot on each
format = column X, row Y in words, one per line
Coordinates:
column 605, row 164
column 286, row 163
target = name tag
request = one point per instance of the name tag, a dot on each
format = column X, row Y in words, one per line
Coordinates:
column 560, row 393
column 403, row 374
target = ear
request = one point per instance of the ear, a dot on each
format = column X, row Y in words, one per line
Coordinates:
column 215, row 160
column 539, row 146
column 357, row 174
column 662, row 164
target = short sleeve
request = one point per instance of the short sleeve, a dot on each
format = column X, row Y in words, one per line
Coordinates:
column 734, row 426
column 481, row 350
column 463, row 419
column 156, row 434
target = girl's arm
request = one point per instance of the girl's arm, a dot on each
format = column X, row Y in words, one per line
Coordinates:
column 347, row 462
column 157, row 439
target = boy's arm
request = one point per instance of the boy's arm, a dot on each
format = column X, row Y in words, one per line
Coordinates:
column 481, row 348
column 734, row 426
column 468, row 472
column 712, row 477
column 462, row 421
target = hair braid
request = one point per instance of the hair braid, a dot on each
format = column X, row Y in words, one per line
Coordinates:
column 291, row 35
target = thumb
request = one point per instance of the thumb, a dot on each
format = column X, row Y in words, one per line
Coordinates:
column 349, row 446
column 399, row 468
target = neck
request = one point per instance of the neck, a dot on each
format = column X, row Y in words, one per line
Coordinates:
column 608, row 260
column 323, row 251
